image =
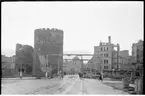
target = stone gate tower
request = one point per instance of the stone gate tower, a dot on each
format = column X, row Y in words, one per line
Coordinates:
column 47, row 41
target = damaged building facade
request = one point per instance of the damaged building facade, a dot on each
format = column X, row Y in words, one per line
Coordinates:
column 24, row 58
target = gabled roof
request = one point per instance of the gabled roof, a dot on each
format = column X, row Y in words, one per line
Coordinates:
column 76, row 58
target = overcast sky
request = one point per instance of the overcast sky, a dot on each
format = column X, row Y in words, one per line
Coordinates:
column 84, row 23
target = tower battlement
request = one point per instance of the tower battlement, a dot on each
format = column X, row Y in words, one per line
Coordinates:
column 48, row 30
column 47, row 41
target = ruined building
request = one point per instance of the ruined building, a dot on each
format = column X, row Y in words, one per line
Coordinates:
column 24, row 58
column 104, row 52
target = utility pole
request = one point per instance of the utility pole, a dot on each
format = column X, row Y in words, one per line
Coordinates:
column 117, row 56
column 21, row 57
column 112, row 59
column 61, row 60
column 58, row 66
column 82, row 64
column 66, row 65
column 21, row 73
column 46, row 74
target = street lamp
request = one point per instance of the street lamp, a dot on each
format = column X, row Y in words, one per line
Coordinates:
column 82, row 64
column 113, row 72
column 46, row 69
column 20, row 68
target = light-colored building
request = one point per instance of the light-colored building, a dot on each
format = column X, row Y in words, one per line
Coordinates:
column 137, row 55
column 72, row 66
column 124, row 57
column 105, row 53
column 78, row 64
column 124, row 60
column 94, row 63
column 137, row 51
column 8, row 62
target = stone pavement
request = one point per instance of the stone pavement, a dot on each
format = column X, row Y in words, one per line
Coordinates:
column 70, row 84
column 118, row 84
column 35, row 86
column 18, row 78
column 25, row 86
column 92, row 87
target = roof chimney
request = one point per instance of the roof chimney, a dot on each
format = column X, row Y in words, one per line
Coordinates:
column 109, row 39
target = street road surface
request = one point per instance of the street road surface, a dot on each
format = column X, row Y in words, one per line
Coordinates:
column 71, row 84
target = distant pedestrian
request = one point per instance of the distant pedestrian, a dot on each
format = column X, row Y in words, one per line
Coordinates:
column 61, row 75
column 21, row 74
column 100, row 78
column 80, row 75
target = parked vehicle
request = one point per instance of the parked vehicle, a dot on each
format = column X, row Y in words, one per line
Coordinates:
column 91, row 75
column 80, row 75
column 87, row 75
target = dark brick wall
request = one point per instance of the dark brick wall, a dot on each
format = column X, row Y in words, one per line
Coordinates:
column 47, row 41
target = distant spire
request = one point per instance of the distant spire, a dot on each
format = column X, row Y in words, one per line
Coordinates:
column 109, row 39
column 100, row 42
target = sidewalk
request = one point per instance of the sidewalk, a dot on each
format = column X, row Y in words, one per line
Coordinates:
column 27, row 86
column 116, row 84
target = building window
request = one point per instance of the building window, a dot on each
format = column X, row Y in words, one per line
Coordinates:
column 105, row 48
column 101, row 54
column 105, row 67
column 101, row 49
column 105, row 61
column 106, row 55
column 101, row 61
